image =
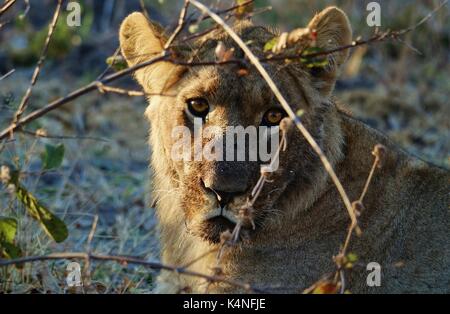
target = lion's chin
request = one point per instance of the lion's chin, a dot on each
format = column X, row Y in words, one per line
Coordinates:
column 212, row 228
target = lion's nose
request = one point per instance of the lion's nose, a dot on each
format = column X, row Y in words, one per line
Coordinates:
column 227, row 177
column 223, row 197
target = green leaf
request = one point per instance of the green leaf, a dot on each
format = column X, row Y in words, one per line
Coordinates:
column 270, row 44
column 9, row 250
column 8, row 230
column 53, row 156
column 193, row 28
column 312, row 61
column 51, row 224
column 352, row 257
column 118, row 63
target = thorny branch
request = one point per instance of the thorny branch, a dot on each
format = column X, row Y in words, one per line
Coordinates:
column 7, row 74
column 132, row 260
column 75, row 94
column 230, row 9
column 379, row 152
column 180, row 26
column 37, row 70
column 110, row 89
column 377, row 37
column 43, row 134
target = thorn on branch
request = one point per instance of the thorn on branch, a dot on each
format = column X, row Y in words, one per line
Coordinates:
column 379, row 152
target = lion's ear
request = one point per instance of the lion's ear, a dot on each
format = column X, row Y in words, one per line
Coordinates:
column 140, row 41
column 333, row 30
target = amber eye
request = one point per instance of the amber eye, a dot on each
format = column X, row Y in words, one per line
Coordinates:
column 198, row 107
column 273, row 117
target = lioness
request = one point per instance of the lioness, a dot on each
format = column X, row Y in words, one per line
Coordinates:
column 300, row 220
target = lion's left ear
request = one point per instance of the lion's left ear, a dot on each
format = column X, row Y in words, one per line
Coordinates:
column 333, row 31
column 140, row 41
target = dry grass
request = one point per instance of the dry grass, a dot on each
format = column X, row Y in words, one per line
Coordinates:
column 108, row 178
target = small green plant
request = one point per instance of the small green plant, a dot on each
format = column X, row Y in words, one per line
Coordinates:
column 53, row 226
column 8, row 231
column 53, row 156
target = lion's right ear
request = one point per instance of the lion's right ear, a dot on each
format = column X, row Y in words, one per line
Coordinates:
column 333, row 31
column 140, row 41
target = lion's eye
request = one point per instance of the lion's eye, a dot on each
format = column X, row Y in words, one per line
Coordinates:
column 198, row 107
column 273, row 117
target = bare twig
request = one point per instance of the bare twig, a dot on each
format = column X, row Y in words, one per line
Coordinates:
column 424, row 19
column 377, row 37
column 87, row 264
column 91, row 233
column 27, row 9
column 211, row 29
column 7, row 74
column 132, row 260
column 180, row 26
column 61, row 137
column 75, row 94
column 144, row 9
column 8, row 4
column 110, row 89
column 195, row 260
column 26, row 97
column 379, row 153
column 230, row 9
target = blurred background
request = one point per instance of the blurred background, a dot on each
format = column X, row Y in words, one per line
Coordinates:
column 400, row 88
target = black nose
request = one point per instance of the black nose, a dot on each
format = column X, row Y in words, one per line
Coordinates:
column 224, row 197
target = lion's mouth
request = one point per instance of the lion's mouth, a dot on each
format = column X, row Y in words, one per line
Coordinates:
column 216, row 222
column 214, row 227
column 221, row 212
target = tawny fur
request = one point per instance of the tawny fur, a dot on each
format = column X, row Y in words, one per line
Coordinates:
column 301, row 220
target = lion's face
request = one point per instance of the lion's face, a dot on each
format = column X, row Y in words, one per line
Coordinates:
column 214, row 193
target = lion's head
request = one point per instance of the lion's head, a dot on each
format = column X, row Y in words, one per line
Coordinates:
column 211, row 193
